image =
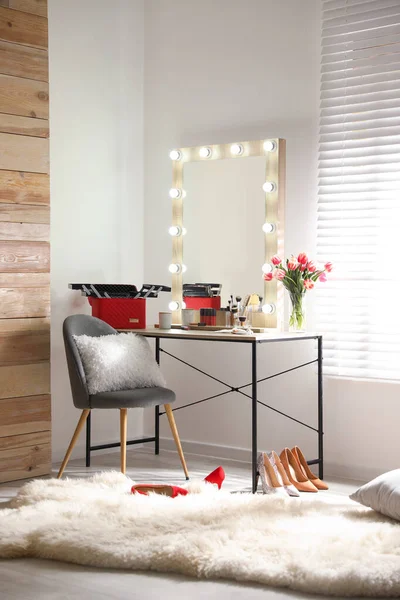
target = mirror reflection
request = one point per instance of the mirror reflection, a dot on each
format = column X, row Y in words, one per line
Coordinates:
column 223, row 214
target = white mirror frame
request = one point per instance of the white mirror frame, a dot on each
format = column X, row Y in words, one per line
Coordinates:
column 274, row 212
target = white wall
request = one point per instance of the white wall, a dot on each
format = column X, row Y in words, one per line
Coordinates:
column 214, row 72
column 96, row 156
column 220, row 72
column 362, row 426
column 229, row 71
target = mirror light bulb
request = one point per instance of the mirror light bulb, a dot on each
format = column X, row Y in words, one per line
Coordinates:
column 173, row 305
column 268, row 186
column 268, row 309
column 236, row 149
column 269, row 146
column 174, row 268
column 175, row 154
column 205, row 152
column 175, row 193
column 266, row 268
column 175, row 230
column 268, row 227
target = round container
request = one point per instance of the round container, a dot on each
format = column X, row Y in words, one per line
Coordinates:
column 187, row 316
column 165, row 320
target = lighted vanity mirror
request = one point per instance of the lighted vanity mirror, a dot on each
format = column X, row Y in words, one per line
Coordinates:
column 227, row 219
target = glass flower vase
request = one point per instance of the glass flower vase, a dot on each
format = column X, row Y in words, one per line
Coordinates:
column 297, row 319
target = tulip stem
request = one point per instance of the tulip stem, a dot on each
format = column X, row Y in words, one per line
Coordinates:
column 296, row 320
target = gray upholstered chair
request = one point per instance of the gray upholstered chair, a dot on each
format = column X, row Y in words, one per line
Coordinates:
column 139, row 397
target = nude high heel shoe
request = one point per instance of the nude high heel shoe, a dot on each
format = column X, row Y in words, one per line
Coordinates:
column 281, row 474
column 295, row 474
column 299, row 456
column 269, row 481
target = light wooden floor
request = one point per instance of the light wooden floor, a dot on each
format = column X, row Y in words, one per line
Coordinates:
column 28, row 579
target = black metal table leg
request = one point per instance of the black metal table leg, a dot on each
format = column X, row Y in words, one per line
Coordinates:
column 254, row 415
column 320, row 412
column 157, row 409
column 88, row 431
column 157, row 431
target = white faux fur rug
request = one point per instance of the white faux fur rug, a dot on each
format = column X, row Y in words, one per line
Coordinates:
column 333, row 548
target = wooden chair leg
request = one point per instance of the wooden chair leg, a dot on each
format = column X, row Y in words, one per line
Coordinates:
column 172, row 424
column 123, row 432
column 79, row 427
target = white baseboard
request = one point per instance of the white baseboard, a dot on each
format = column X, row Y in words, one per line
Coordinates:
column 349, row 472
column 358, row 474
column 79, row 450
column 212, row 450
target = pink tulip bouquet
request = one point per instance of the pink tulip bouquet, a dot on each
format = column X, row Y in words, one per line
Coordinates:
column 297, row 275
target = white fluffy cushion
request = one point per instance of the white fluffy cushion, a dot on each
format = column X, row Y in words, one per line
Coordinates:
column 382, row 494
column 118, row 362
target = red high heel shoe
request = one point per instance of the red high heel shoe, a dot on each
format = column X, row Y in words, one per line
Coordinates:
column 217, row 476
column 165, row 490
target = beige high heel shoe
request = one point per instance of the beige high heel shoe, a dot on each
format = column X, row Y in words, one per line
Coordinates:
column 269, row 480
column 295, row 474
column 299, row 456
column 281, row 474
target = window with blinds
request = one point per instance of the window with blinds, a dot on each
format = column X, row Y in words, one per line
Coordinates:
column 358, row 309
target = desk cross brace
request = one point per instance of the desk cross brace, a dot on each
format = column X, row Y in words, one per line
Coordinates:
column 239, row 389
column 254, row 401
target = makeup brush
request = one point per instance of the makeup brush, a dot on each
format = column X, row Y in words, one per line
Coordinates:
column 232, row 316
column 245, row 305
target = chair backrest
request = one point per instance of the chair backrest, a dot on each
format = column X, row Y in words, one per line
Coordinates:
column 81, row 325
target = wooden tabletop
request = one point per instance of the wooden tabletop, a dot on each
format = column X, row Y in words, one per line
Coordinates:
column 216, row 336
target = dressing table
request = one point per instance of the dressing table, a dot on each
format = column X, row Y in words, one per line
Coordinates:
column 252, row 341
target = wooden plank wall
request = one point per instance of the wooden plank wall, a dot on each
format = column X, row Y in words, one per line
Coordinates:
column 25, row 418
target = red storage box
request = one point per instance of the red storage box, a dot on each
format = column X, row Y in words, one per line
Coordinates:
column 120, row 313
column 197, row 302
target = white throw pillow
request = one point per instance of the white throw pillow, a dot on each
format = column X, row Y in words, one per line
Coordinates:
column 123, row 361
column 382, row 494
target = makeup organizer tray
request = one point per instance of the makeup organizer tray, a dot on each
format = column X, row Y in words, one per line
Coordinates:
column 194, row 326
column 220, row 328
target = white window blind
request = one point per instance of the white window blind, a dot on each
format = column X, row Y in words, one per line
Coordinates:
column 358, row 309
